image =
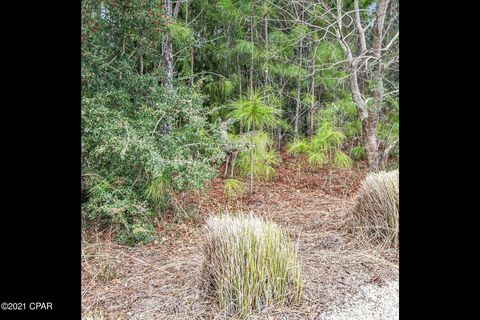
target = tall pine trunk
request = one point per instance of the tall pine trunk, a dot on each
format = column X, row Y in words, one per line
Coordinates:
column 252, row 30
column 299, row 87
column 311, row 110
column 167, row 54
column 265, row 29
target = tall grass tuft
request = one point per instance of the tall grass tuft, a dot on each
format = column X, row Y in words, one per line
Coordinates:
column 375, row 215
column 250, row 264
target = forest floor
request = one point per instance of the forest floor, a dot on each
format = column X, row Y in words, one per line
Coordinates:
column 159, row 280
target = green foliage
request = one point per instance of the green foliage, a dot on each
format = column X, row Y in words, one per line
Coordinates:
column 298, row 147
column 253, row 113
column 221, row 89
column 181, row 34
column 388, row 128
column 234, row 188
column 329, row 52
column 158, row 191
column 287, row 70
column 230, row 11
column 323, row 148
column 140, row 141
column 342, row 114
column 357, row 153
column 317, row 159
column 158, row 148
column 264, row 157
column 341, row 160
column 245, row 47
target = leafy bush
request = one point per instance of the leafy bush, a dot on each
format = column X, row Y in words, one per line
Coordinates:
column 250, row 264
column 141, row 142
column 133, row 158
column 375, row 215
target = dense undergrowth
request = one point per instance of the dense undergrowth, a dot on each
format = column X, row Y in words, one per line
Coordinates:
column 150, row 120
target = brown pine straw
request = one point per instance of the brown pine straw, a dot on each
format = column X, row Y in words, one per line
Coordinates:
column 161, row 280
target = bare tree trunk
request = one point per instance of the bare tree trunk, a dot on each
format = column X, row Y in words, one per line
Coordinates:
column 297, row 111
column 186, row 11
column 192, row 50
column 252, row 29
column 192, row 64
column 177, row 8
column 299, row 84
column 265, row 27
column 167, row 54
column 140, row 52
column 239, row 70
column 167, row 59
column 370, row 131
column 368, row 113
column 311, row 110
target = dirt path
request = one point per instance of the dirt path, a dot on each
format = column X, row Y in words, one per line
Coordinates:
column 373, row 302
column 159, row 280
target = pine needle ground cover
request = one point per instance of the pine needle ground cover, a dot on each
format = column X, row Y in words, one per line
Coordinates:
column 375, row 215
column 250, row 264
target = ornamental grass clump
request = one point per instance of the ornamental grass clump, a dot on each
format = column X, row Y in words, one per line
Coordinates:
column 250, row 264
column 375, row 216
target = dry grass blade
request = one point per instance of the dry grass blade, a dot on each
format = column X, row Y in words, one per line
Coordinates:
column 250, row 265
column 375, row 216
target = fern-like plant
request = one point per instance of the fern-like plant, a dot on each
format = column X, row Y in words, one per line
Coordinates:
column 323, row 148
column 300, row 146
column 253, row 113
column 264, row 157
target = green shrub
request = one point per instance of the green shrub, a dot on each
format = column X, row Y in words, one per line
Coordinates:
column 323, row 148
column 250, row 264
column 137, row 233
column 357, row 153
column 140, row 143
column 299, row 146
column 341, row 160
column 265, row 157
column 132, row 162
